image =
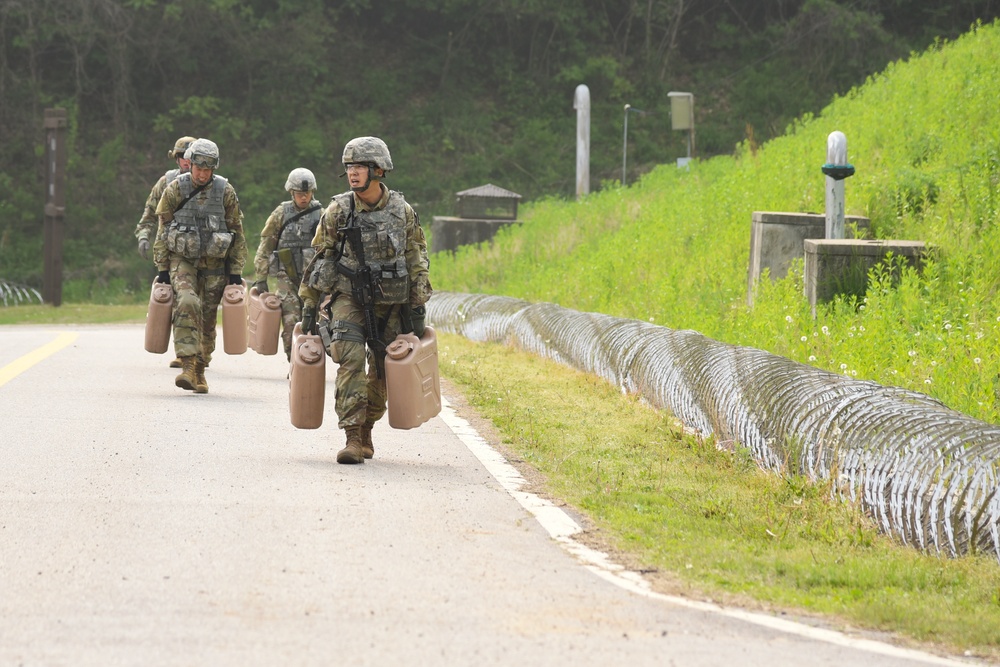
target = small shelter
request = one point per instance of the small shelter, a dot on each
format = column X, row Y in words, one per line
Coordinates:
column 482, row 211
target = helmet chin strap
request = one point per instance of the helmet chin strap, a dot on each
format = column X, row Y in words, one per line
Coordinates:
column 368, row 182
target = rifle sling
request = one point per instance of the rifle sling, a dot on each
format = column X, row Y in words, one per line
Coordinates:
column 193, row 193
column 295, row 217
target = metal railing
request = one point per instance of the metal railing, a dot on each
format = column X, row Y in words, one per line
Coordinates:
column 926, row 473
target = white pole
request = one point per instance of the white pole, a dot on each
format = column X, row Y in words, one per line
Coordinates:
column 581, row 102
column 836, row 156
column 625, row 144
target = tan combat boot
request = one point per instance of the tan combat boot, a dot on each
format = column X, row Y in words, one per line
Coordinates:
column 367, row 447
column 200, row 383
column 352, row 451
column 176, row 363
column 188, row 377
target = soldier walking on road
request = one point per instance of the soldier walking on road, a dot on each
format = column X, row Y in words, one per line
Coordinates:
column 286, row 248
column 371, row 258
column 145, row 231
column 200, row 247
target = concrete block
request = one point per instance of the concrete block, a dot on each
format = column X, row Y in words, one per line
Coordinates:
column 840, row 266
column 776, row 240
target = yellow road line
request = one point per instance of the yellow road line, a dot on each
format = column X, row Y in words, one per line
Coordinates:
column 18, row 366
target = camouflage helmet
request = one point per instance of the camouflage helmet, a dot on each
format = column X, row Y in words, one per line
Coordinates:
column 300, row 179
column 368, row 150
column 203, row 153
column 179, row 147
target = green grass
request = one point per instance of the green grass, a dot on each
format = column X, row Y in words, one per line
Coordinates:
column 924, row 137
column 710, row 522
column 73, row 313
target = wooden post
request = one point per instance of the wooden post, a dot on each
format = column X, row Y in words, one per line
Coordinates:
column 55, row 204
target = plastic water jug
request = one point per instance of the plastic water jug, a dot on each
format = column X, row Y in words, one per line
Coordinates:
column 306, row 380
column 413, row 385
column 158, row 318
column 264, row 320
column 234, row 318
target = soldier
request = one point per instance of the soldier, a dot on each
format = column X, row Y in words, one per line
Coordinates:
column 285, row 248
column 145, row 231
column 371, row 258
column 199, row 248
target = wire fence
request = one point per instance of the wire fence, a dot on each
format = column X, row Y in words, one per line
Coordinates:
column 12, row 294
column 926, row 473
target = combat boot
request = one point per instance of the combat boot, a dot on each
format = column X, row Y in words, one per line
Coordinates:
column 200, row 383
column 352, row 451
column 176, row 363
column 367, row 447
column 188, row 377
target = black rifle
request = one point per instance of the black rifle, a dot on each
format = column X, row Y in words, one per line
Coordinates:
column 364, row 287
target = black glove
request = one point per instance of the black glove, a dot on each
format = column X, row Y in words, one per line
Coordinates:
column 308, row 319
column 418, row 314
column 163, row 277
column 144, row 248
column 235, row 279
column 261, row 286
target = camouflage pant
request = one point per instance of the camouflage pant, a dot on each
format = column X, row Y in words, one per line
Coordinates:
column 197, row 293
column 291, row 307
column 361, row 394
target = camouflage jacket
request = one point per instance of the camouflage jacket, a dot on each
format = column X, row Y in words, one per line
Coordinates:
column 329, row 240
column 237, row 256
column 146, row 229
column 263, row 260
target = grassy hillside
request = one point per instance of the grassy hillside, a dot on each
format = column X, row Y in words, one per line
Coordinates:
column 924, row 136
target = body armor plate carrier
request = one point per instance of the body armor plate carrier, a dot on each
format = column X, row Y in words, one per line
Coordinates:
column 383, row 234
column 295, row 239
column 199, row 228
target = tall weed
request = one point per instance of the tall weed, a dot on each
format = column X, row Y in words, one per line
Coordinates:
column 924, row 136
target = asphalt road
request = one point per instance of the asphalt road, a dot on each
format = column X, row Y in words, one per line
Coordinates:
column 141, row 524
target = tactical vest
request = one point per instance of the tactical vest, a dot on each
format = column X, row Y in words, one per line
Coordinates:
column 199, row 227
column 294, row 248
column 171, row 175
column 383, row 236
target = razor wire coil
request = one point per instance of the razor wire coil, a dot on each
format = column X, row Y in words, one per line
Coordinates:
column 927, row 474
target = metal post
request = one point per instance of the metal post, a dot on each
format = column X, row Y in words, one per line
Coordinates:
column 836, row 169
column 55, row 204
column 682, row 118
column 581, row 102
column 625, row 143
column 628, row 108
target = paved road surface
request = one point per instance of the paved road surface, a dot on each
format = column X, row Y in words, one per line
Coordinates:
column 144, row 525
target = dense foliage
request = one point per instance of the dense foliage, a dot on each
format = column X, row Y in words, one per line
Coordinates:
column 924, row 136
column 464, row 91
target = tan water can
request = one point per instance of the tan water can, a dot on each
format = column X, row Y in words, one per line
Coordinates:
column 413, row 385
column 158, row 318
column 234, row 318
column 306, row 380
column 264, row 321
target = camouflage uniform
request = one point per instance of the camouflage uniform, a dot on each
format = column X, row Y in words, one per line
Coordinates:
column 296, row 236
column 147, row 227
column 361, row 396
column 198, row 282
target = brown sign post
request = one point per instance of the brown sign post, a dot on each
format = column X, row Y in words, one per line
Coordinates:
column 55, row 204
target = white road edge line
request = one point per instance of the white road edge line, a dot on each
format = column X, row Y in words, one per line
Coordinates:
column 562, row 528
